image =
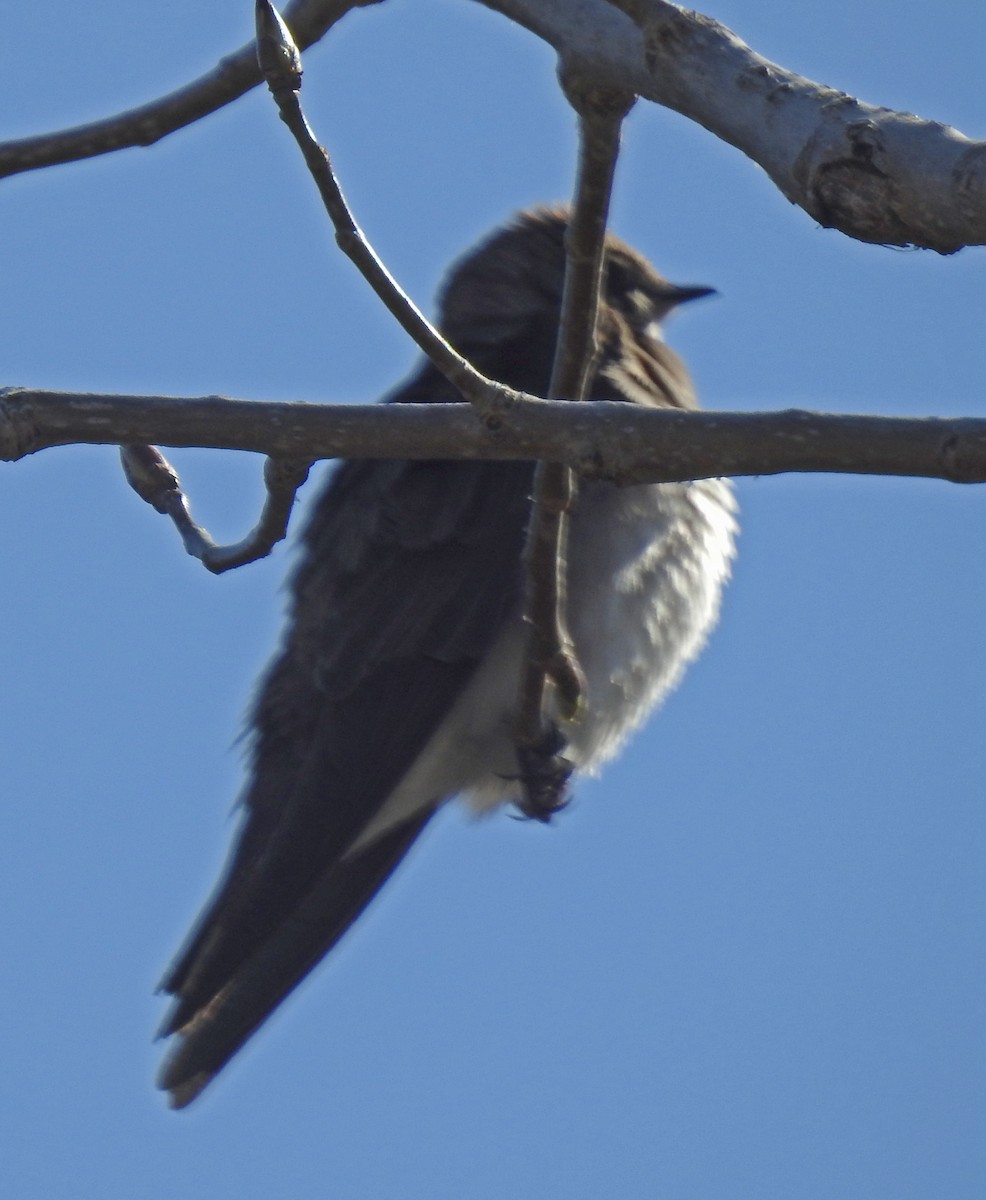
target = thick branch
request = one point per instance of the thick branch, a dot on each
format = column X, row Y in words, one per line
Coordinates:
column 624, row 442
column 876, row 175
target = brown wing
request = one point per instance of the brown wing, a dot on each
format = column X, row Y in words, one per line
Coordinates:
column 409, row 570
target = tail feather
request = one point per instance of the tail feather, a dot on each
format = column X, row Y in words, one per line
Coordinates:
column 212, row 1034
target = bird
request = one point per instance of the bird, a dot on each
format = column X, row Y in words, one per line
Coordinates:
column 396, row 685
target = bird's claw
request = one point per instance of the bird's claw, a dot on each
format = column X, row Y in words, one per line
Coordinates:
column 544, row 773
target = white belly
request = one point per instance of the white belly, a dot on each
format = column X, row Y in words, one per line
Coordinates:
column 647, row 566
column 647, row 569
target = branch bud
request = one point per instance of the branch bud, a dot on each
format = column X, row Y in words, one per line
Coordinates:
column 277, row 52
column 150, row 475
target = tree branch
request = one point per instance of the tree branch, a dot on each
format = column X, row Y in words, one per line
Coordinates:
column 876, row 175
column 154, row 479
column 601, row 440
column 281, row 63
column 235, row 74
column 550, row 662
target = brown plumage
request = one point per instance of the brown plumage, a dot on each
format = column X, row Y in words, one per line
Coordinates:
column 393, row 688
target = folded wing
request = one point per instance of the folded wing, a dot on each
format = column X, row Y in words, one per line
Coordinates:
column 408, row 573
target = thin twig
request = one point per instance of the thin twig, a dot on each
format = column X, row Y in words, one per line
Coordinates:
column 280, row 60
column 550, row 663
column 154, row 479
column 236, row 74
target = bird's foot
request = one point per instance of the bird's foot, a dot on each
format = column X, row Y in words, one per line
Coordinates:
column 544, row 773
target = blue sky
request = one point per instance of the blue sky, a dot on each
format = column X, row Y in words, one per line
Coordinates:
column 748, row 962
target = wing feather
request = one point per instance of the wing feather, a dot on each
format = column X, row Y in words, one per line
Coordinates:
column 409, row 570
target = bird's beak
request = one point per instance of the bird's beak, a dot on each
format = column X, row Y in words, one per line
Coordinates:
column 679, row 293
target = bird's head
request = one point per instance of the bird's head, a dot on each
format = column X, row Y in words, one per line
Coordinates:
column 507, row 293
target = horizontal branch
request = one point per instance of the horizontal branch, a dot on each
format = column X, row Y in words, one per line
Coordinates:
column 623, row 442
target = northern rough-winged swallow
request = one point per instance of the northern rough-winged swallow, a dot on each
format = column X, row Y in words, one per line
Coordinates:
column 397, row 683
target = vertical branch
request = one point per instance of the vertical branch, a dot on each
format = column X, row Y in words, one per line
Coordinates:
column 550, row 663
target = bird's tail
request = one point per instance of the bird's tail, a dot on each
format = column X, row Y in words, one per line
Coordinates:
column 221, row 1022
